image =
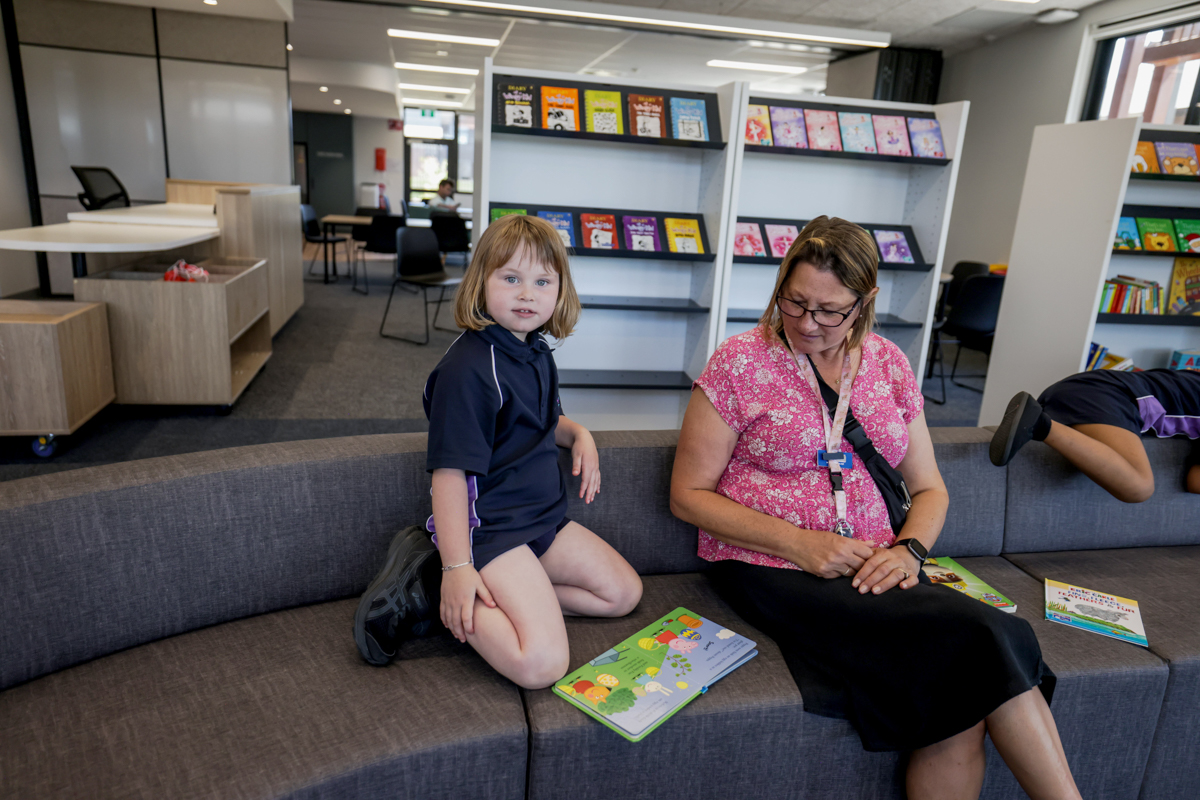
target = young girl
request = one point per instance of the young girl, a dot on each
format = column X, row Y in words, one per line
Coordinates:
column 511, row 562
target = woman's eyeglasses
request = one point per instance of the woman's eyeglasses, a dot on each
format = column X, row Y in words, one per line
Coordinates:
column 826, row 319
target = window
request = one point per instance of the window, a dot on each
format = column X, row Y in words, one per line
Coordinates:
column 428, row 123
column 466, row 153
column 1151, row 73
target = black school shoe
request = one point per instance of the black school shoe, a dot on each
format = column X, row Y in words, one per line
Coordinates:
column 1016, row 429
column 401, row 602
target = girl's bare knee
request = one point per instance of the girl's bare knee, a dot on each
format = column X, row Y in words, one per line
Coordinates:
column 541, row 667
column 629, row 596
column 1139, row 492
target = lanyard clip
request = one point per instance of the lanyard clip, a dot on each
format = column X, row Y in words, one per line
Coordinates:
column 824, row 459
column 844, row 528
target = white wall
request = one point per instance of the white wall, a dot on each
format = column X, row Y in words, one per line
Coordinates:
column 18, row 271
column 370, row 133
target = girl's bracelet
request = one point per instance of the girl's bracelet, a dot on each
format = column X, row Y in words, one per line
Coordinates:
column 456, row 566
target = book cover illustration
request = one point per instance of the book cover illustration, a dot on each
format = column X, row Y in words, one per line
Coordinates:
column 1144, row 158
column 748, row 241
column 646, row 114
column 635, row 686
column 1183, row 296
column 497, row 213
column 926, row 137
column 515, row 104
column 1185, row 359
column 1177, row 158
column 1127, row 237
column 560, row 108
column 787, row 126
column 1187, row 235
column 858, row 134
column 948, row 572
column 893, row 247
column 758, row 126
column 1105, row 614
column 823, row 130
column 780, row 238
column 599, row 231
column 1157, row 234
column 641, row 233
column 891, row 136
column 689, row 119
column 563, row 223
column 602, row 112
column 683, row 235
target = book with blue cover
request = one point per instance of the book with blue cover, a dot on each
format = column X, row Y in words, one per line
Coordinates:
column 858, row 134
column 1127, row 235
column 689, row 119
column 563, row 223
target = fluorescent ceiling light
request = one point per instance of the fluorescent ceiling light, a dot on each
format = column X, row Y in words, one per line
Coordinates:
column 210, row 2
column 431, row 68
column 756, row 67
column 442, row 37
column 416, row 101
column 420, row 87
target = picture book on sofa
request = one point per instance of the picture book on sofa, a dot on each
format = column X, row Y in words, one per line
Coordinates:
column 637, row 685
column 1105, row 614
column 948, row 572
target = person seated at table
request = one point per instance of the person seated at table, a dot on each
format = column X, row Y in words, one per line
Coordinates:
column 444, row 199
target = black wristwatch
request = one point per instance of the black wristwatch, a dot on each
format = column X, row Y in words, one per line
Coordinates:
column 915, row 547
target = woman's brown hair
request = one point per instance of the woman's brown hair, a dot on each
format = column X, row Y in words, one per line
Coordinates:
column 833, row 245
column 502, row 240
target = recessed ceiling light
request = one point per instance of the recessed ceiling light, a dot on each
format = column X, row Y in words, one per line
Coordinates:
column 420, row 87
column 347, row 111
column 431, row 68
column 337, row 102
column 324, row 89
column 442, row 37
column 413, row 101
column 755, row 67
column 210, row 2
column 289, row 46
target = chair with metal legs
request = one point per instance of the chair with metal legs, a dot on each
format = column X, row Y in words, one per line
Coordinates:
column 972, row 322
column 378, row 237
column 419, row 269
column 313, row 235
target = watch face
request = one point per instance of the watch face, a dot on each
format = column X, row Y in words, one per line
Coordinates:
column 918, row 549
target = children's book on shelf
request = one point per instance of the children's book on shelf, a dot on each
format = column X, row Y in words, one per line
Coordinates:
column 758, row 125
column 1187, row 235
column 948, row 572
column 1127, row 237
column 637, row 685
column 891, row 135
column 641, row 233
column 497, row 213
column 1098, row 612
column 1185, row 359
column 1127, row 295
column 560, row 108
column 599, row 231
column 683, row 235
column 780, row 238
column 1144, row 158
column 646, row 114
column 1095, row 353
column 1183, row 296
column 1115, row 362
column 1177, row 158
column 787, row 127
column 858, row 134
column 893, row 247
column 689, row 119
column 602, row 112
column 563, row 223
column 748, row 241
column 516, row 104
column 1157, row 234
column 926, row 137
column 823, row 130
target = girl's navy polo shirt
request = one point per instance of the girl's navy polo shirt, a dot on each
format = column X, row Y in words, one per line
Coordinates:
column 493, row 407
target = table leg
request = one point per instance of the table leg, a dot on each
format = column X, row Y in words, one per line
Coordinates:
column 79, row 265
column 325, row 248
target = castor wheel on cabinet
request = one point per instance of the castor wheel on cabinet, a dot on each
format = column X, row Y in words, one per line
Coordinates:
column 225, row 411
column 45, row 446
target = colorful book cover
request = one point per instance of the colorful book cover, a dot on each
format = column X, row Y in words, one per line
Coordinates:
column 926, row 137
column 891, row 136
column 497, row 213
column 858, row 134
column 637, row 685
column 780, row 238
column 560, row 108
column 748, row 241
column 683, row 235
column 1127, row 237
column 758, row 126
column 599, row 231
column 515, row 104
column 1106, row 614
column 1144, row 158
column 641, row 233
column 1183, row 296
column 689, row 119
column 1177, row 158
column 563, row 223
column 787, row 126
column 948, row 572
column 602, row 112
column 893, row 247
column 823, row 130
column 1187, row 235
column 646, row 114
column 1157, row 234
column 1185, row 359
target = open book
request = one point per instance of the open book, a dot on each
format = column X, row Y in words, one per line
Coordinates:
column 949, row 572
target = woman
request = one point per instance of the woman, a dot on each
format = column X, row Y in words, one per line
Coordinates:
column 853, row 614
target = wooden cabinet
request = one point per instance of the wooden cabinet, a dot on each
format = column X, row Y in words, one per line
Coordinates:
column 264, row 222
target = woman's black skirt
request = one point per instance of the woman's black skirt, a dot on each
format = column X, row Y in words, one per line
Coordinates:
column 907, row 668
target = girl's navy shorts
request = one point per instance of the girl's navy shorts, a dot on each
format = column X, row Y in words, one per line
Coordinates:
column 1163, row 400
column 484, row 552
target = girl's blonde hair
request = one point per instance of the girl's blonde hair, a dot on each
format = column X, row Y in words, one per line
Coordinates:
column 833, row 245
column 502, row 240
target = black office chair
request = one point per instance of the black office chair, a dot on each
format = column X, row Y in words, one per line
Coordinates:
column 972, row 321
column 378, row 237
column 962, row 270
column 313, row 235
column 451, row 232
column 101, row 189
column 419, row 266
column 359, row 233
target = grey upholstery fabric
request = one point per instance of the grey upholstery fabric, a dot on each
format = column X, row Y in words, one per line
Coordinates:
column 975, row 520
column 1053, row 506
column 278, row 705
column 1164, row 582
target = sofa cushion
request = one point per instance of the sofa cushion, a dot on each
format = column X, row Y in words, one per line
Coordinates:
column 1163, row 581
column 975, row 520
column 279, row 705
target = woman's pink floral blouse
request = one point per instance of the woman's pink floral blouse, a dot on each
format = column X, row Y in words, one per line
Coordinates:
column 758, row 390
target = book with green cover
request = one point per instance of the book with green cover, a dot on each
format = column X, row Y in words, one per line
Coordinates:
column 1187, row 235
column 949, row 572
column 1157, row 234
column 497, row 213
column 637, row 685
column 602, row 112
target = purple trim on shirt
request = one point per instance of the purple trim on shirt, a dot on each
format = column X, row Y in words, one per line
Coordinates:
column 1165, row 425
column 472, row 515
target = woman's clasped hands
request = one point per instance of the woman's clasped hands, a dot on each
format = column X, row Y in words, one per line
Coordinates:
column 873, row 570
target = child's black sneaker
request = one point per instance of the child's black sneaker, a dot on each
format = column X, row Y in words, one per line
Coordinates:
column 1023, row 420
column 398, row 605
